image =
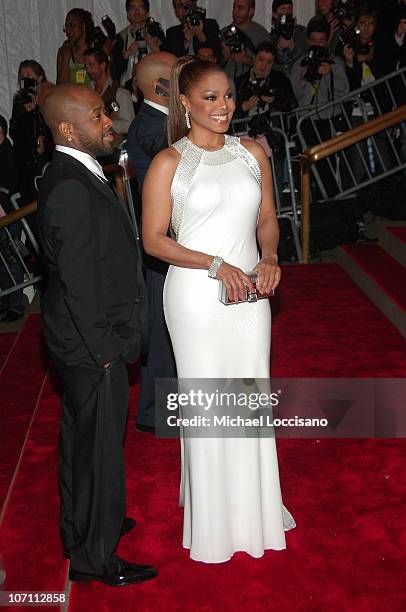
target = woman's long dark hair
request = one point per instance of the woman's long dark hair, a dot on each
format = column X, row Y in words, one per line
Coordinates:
column 187, row 71
column 86, row 18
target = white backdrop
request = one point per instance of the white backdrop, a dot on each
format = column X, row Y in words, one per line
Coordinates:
column 32, row 29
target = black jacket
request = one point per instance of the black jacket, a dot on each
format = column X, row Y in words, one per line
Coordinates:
column 175, row 41
column 8, row 169
column 383, row 63
column 145, row 138
column 94, row 308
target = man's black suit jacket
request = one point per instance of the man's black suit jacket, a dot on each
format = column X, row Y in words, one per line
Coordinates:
column 147, row 137
column 94, row 308
column 175, row 40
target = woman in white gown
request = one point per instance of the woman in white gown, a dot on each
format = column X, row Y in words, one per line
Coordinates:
column 215, row 195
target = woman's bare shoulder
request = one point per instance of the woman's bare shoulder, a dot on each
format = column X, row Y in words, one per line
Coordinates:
column 165, row 163
column 254, row 148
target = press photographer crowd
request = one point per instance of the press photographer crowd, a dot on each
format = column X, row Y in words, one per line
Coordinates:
column 274, row 76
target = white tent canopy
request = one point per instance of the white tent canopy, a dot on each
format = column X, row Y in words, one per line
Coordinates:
column 32, row 29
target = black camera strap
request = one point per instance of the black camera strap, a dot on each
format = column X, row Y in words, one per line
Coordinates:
column 330, row 93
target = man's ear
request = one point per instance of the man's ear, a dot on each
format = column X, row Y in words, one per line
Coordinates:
column 66, row 130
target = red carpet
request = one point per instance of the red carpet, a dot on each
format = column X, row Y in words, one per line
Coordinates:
column 325, row 327
column 388, row 273
column 6, row 343
column 345, row 494
column 21, row 380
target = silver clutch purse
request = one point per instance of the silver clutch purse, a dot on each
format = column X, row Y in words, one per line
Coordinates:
column 250, row 296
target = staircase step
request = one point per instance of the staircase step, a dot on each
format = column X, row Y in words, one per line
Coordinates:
column 380, row 276
column 393, row 240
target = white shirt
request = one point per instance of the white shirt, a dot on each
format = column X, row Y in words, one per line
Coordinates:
column 85, row 159
column 160, row 107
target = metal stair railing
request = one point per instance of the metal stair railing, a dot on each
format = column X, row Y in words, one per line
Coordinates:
column 370, row 159
column 331, row 147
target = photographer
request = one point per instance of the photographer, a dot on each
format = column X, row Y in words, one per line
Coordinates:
column 97, row 63
column 260, row 92
column 240, row 39
column 317, row 79
column 288, row 37
column 32, row 139
column 134, row 41
column 325, row 13
column 194, row 29
column 263, row 88
column 368, row 58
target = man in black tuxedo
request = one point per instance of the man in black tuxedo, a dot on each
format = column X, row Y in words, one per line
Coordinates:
column 146, row 137
column 94, row 320
column 185, row 38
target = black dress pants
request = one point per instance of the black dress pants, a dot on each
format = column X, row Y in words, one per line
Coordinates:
column 91, row 462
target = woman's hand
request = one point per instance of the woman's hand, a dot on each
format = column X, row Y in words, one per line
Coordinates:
column 269, row 274
column 132, row 50
column 250, row 103
column 153, row 42
column 235, row 281
column 29, row 106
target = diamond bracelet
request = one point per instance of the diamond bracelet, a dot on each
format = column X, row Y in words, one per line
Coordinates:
column 214, row 266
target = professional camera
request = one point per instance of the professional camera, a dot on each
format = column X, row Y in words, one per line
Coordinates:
column 195, row 15
column 151, row 28
column 260, row 125
column 344, row 10
column 109, row 27
column 28, row 89
column 285, row 27
column 259, row 87
column 352, row 39
column 99, row 36
column 232, row 39
column 313, row 60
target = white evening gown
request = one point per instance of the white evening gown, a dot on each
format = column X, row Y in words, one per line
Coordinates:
column 229, row 486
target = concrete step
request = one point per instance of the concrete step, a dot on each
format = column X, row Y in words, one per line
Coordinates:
column 380, row 276
column 393, row 239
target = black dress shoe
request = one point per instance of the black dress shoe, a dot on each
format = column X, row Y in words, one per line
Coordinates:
column 123, row 574
column 145, row 428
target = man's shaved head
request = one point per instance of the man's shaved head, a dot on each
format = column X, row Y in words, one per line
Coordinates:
column 64, row 103
column 152, row 67
column 75, row 116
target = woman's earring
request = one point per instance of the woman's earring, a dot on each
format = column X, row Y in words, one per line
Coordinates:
column 187, row 119
column 69, row 138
